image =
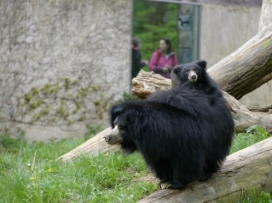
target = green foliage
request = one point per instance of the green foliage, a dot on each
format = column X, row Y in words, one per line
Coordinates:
column 252, row 196
column 36, row 103
column 82, row 92
column 95, row 88
column 67, row 83
column 78, row 106
column 61, row 110
column 128, row 97
column 28, row 97
column 53, row 119
column 45, row 111
column 65, row 93
column 34, row 91
column 46, row 89
column 7, row 142
column 34, row 175
column 97, row 102
column 252, row 135
column 49, row 89
column 35, row 117
column 153, row 21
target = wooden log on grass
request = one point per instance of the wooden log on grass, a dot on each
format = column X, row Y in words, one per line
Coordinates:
column 93, row 146
column 250, row 168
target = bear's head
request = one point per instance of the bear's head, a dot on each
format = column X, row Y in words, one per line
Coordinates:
column 119, row 135
column 193, row 72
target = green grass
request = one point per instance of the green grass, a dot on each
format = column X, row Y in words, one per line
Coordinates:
column 252, row 196
column 30, row 173
column 252, row 135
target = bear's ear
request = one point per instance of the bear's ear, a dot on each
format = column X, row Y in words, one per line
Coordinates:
column 202, row 64
column 115, row 111
column 177, row 69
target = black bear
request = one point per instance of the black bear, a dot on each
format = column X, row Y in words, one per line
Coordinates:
column 180, row 135
column 193, row 75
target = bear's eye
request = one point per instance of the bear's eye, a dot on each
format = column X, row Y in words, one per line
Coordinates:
column 194, row 69
column 187, row 71
column 120, row 127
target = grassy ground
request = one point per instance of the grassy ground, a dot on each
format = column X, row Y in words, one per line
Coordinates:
column 29, row 173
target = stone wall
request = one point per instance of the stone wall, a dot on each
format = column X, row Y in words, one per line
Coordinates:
column 62, row 63
column 224, row 28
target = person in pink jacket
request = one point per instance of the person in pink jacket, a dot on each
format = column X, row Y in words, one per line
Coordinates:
column 163, row 60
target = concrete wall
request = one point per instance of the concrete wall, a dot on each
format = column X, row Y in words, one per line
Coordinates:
column 62, row 63
column 224, row 28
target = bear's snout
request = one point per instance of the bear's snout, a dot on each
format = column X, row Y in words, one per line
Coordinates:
column 107, row 138
column 192, row 76
column 113, row 137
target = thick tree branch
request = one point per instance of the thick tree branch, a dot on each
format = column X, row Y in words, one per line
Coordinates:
column 266, row 14
column 261, row 109
column 260, row 82
column 242, row 70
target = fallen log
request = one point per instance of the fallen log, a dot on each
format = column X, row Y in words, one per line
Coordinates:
column 93, row 146
column 246, row 68
column 246, row 169
column 261, row 109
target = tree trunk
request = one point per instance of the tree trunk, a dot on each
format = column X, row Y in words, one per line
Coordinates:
column 242, row 171
column 261, row 109
column 93, row 146
column 245, row 69
column 266, row 14
column 265, row 20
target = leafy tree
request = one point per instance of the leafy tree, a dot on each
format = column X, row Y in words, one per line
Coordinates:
column 153, row 21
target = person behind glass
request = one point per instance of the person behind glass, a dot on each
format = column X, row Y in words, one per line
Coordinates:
column 163, row 60
column 136, row 57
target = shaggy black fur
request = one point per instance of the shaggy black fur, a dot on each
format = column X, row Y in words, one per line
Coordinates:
column 180, row 135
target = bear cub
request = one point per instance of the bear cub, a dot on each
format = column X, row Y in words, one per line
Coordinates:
column 194, row 76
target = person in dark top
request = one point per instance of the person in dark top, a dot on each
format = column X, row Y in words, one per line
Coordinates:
column 136, row 57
